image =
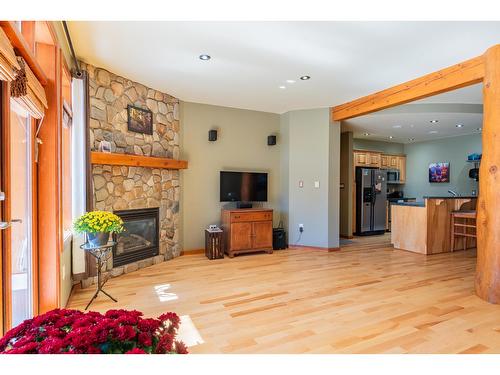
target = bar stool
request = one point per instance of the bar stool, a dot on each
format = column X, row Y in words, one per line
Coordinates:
column 464, row 221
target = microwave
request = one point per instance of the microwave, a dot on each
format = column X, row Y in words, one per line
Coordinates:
column 392, row 175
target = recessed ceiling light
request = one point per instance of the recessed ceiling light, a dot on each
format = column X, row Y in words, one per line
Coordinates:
column 411, row 139
column 433, row 121
column 282, row 87
column 290, row 81
column 366, row 134
column 305, row 78
column 397, row 126
column 459, row 125
column 433, row 132
column 205, row 57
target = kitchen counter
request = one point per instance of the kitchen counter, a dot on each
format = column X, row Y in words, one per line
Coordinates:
column 449, row 197
column 424, row 227
column 404, row 199
column 415, row 204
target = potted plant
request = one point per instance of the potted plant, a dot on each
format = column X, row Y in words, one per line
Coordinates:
column 98, row 225
column 64, row 331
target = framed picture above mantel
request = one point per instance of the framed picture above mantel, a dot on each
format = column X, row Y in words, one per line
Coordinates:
column 140, row 120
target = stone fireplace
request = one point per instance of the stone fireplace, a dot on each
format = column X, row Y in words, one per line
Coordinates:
column 120, row 188
column 140, row 239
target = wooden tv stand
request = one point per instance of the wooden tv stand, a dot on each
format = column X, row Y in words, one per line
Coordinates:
column 248, row 230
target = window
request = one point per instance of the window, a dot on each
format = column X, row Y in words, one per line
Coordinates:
column 66, row 157
column 21, row 191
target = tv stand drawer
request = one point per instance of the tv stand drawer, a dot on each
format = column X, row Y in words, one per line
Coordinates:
column 238, row 217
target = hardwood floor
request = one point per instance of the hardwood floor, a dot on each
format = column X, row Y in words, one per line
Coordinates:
column 365, row 298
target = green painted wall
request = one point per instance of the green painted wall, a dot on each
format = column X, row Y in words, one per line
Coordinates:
column 241, row 146
column 454, row 150
column 385, row 147
column 313, row 147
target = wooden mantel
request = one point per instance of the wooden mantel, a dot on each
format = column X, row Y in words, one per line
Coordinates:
column 136, row 161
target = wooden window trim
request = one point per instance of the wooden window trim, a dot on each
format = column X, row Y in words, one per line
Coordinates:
column 4, row 177
column 22, row 47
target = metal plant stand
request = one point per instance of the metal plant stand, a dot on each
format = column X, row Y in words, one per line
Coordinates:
column 102, row 254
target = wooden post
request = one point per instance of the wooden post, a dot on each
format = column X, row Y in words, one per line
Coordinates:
column 488, row 210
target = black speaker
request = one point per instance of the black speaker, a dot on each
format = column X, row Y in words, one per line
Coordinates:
column 212, row 135
column 271, row 140
column 279, row 239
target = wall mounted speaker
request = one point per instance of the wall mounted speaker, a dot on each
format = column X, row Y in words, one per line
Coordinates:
column 271, row 140
column 212, row 135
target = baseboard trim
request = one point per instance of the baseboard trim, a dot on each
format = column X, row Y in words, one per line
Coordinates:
column 77, row 277
column 193, row 252
column 305, row 247
column 346, row 237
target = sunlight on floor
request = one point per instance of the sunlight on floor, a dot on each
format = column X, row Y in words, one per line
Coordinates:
column 163, row 295
column 188, row 332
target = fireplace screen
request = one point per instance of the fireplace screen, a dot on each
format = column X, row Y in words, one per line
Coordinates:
column 139, row 240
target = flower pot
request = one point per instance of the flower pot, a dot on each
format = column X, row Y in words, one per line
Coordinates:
column 98, row 239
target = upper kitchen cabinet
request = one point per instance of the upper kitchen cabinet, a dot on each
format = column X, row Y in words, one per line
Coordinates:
column 374, row 160
column 378, row 160
column 367, row 159
column 360, row 158
column 401, row 166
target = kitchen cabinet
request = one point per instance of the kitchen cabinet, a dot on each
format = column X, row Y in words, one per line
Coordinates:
column 360, row 158
column 384, row 161
column 401, row 166
column 366, row 159
column 393, row 161
column 374, row 160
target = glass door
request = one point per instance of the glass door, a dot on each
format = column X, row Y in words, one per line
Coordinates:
column 20, row 204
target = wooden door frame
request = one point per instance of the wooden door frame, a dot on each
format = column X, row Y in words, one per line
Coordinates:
column 5, row 253
column 485, row 69
column 4, row 116
column 6, row 237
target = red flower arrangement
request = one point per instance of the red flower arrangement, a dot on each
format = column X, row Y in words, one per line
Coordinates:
column 64, row 331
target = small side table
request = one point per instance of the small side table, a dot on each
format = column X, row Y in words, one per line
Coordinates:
column 102, row 254
column 214, row 243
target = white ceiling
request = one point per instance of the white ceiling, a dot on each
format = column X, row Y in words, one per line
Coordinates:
column 250, row 60
column 412, row 122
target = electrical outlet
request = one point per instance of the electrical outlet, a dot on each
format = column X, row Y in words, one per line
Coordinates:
column 301, row 228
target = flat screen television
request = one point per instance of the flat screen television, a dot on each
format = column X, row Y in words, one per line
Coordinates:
column 243, row 187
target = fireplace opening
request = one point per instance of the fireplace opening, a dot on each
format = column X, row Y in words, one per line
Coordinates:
column 140, row 239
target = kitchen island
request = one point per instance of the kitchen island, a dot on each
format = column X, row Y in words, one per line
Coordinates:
column 424, row 227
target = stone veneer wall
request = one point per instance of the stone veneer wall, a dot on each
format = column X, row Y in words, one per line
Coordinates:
column 122, row 187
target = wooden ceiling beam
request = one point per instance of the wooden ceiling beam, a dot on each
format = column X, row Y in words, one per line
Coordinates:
column 454, row 77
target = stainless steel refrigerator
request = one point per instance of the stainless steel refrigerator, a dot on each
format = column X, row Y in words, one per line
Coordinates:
column 371, row 197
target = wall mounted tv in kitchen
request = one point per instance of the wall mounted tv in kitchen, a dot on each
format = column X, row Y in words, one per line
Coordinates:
column 243, row 186
column 439, row 172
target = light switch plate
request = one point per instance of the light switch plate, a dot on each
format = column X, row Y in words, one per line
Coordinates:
column 301, row 184
column 316, row 184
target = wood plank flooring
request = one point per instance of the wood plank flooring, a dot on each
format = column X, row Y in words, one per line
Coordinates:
column 365, row 298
